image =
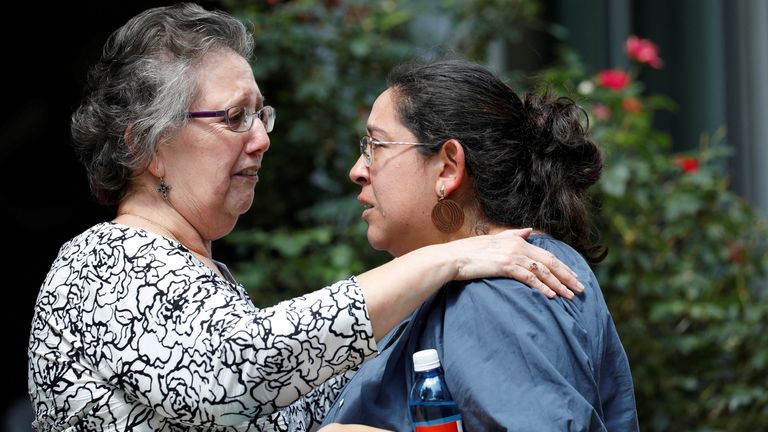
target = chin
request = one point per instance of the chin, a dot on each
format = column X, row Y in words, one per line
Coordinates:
column 243, row 206
column 380, row 243
column 373, row 241
column 377, row 241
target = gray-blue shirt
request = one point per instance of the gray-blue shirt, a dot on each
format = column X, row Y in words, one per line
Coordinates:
column 513, row 359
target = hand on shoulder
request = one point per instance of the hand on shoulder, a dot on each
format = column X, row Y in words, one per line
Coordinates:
column 508, row 254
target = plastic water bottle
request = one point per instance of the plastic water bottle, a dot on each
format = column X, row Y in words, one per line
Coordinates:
column 432, row 406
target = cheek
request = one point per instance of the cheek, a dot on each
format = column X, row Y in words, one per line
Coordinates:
column 402, row 203
column 402, row 190
column 219, row 165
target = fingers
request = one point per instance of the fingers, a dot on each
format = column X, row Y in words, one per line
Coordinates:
column 539, row 277
column 540, row 269
column 567, row 279
column 529, row 273
column 553, row 272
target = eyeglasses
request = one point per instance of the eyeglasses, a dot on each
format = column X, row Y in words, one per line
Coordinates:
column 367, row 145
column 240, row 118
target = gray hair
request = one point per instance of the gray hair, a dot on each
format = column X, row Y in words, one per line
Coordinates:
column 141, row 88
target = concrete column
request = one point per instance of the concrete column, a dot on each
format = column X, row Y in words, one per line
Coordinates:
column 746, row 33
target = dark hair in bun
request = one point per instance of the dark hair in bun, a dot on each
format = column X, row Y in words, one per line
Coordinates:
column 530, row 160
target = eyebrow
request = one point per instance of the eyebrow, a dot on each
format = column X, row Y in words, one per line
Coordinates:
column 375, row 129
column 240, row 100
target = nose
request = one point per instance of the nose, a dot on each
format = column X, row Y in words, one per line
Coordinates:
column 258, row 139
column 359, row 172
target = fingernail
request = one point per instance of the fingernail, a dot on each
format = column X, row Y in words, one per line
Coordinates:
column 581, row 287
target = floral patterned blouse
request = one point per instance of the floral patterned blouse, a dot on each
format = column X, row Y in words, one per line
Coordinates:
column 132, row 332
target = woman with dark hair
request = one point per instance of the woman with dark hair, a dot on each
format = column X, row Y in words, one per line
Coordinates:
column 452, row 152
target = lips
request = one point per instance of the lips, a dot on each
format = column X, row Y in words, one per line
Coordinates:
column 249, row 171
column 366, row 208
column 365, row 204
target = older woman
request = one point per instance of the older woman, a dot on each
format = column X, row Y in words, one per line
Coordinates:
column 136, row 326
column 451, row 140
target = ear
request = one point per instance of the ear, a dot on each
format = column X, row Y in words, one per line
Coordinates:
column 453, row 169
column 155, row 167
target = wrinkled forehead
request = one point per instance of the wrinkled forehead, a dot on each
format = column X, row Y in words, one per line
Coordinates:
column 225, row 79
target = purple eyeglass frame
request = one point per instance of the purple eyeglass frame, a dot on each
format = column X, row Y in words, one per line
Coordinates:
column 223, row 113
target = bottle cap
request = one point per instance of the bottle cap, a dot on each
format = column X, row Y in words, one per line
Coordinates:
column 425, row 360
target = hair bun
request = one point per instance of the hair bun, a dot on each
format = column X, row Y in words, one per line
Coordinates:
column 557, row 127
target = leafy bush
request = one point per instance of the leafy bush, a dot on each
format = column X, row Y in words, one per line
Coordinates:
column 686, row 260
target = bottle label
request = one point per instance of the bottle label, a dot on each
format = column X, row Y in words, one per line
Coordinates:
column 450, row 424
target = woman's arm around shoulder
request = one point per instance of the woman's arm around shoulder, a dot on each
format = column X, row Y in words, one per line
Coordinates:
column 395, row 289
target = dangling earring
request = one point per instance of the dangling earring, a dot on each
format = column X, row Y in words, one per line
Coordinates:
column 447, row 214
column 163, row 189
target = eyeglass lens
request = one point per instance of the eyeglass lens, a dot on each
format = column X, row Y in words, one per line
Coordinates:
column 239, row 119
column 366, row 150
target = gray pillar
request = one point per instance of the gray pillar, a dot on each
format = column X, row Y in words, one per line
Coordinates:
column 597, row 30
column 690, row 36
column 747, row 72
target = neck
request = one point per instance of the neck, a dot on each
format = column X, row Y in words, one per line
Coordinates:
column 157, row 227
column 193, row 242
column 481, row 229
column 498, row 229
column 166, row 227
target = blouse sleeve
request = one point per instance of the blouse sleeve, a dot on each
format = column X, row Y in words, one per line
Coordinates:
column 307, row 413
column 146, row 318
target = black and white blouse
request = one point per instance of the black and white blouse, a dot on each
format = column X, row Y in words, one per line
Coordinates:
column 132, row 332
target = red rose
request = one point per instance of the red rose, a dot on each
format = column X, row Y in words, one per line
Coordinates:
column 613, row 79
column 687, row 163
column 643, row 51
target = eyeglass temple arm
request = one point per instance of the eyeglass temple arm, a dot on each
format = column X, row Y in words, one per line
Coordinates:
column 200, row 114
column 398, row 143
